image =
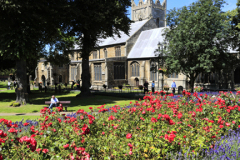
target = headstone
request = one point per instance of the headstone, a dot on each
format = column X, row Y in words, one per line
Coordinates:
column 180, row 89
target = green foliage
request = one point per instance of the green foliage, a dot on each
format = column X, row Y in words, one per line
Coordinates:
column 11, row 104
column 236, row 27
column 92, row 20
column 16, row 104
column 8, row 71
column 198, row 39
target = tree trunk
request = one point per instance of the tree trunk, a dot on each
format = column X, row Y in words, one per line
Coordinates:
column 21, row 90
column 88, row 44
column 193, row 77
column 85, row 91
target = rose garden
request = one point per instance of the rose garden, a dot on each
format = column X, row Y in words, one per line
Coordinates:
column 187, row 126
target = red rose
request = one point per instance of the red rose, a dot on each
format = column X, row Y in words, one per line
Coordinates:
column 25, row 124
column 90, row 108
column 38, row 150
column 233, row 122
column 227, row 124
column 130, row 145
column 66, row 146
column 221, row 126
column 129, row 135
column 153, row 119
column 12, row 130
column 45, row 150
column 103, row 133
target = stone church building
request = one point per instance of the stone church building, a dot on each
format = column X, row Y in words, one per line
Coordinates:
column 122, row 60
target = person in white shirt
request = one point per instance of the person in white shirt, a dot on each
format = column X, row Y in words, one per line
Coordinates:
column 54, row 102
column 9, row 84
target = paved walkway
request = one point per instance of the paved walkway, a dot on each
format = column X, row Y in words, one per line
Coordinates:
column 26, row 114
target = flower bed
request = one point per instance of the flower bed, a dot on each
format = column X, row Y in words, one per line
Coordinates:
column 149, row 129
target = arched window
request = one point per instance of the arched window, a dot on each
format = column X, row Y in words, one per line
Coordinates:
column 105, row 52
column 60, row 79
column 157, row 22
column 118, row 51
column 95, row 55
column 135, row 69
column 153, row 71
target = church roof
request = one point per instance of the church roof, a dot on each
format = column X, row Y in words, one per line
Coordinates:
column 116, row 40
column 134, row 27
column 147, row 43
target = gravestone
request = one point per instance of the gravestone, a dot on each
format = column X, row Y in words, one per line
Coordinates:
column 180, row 89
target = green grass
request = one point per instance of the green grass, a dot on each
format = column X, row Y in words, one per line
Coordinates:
column 20, row 118
column 37, row 100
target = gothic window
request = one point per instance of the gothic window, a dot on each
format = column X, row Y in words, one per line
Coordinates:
column 95, row 56
column 173, row 75
column 105, row 52
column 73, row 73
column 60, row 79
column 97, row 72
column 157, row 22
column 135, row 69
column 72, row 56
column 119, row 70
column 118, row 51
column 153, row 72
column 49, row 73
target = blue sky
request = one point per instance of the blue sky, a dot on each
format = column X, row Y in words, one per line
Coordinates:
column 230, row 4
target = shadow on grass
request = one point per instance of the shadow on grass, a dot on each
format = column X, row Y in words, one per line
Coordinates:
column 39, row 98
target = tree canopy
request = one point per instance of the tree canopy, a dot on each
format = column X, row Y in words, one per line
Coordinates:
column 198, row 38
column 91, row 20
column 26, row 27
column 29, row 25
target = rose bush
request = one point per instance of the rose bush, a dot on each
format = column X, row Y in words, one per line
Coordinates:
column 149, row 129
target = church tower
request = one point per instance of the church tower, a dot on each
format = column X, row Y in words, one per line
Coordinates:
column 148, row 9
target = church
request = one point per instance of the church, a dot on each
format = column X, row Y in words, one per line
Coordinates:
column 125, row 60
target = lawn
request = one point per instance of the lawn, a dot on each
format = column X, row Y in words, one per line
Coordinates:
column 37, row 100
column 20, row 118
column 3, row 85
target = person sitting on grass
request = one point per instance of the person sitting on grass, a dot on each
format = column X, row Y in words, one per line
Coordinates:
column 54, row 102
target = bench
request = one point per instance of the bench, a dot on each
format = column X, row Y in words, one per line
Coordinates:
column 60, row 102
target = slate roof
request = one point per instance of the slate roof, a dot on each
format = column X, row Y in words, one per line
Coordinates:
column 116, row 40
column 147, row 43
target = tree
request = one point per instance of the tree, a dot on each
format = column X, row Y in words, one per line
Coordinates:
column 26, row 27
column 91, row 20
column 235, row 17
column 198, row 39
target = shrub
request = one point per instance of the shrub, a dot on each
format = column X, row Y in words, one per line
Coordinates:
column 16, row 104
column 11, row 104
column 140, row 87
column 120, row 86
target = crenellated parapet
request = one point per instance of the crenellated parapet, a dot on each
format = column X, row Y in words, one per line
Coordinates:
column 148, row 9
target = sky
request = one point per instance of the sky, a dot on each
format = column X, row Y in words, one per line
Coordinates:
column 230, row 4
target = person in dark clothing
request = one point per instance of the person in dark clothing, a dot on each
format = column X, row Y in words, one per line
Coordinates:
column 145, row 85
column 153, row 87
